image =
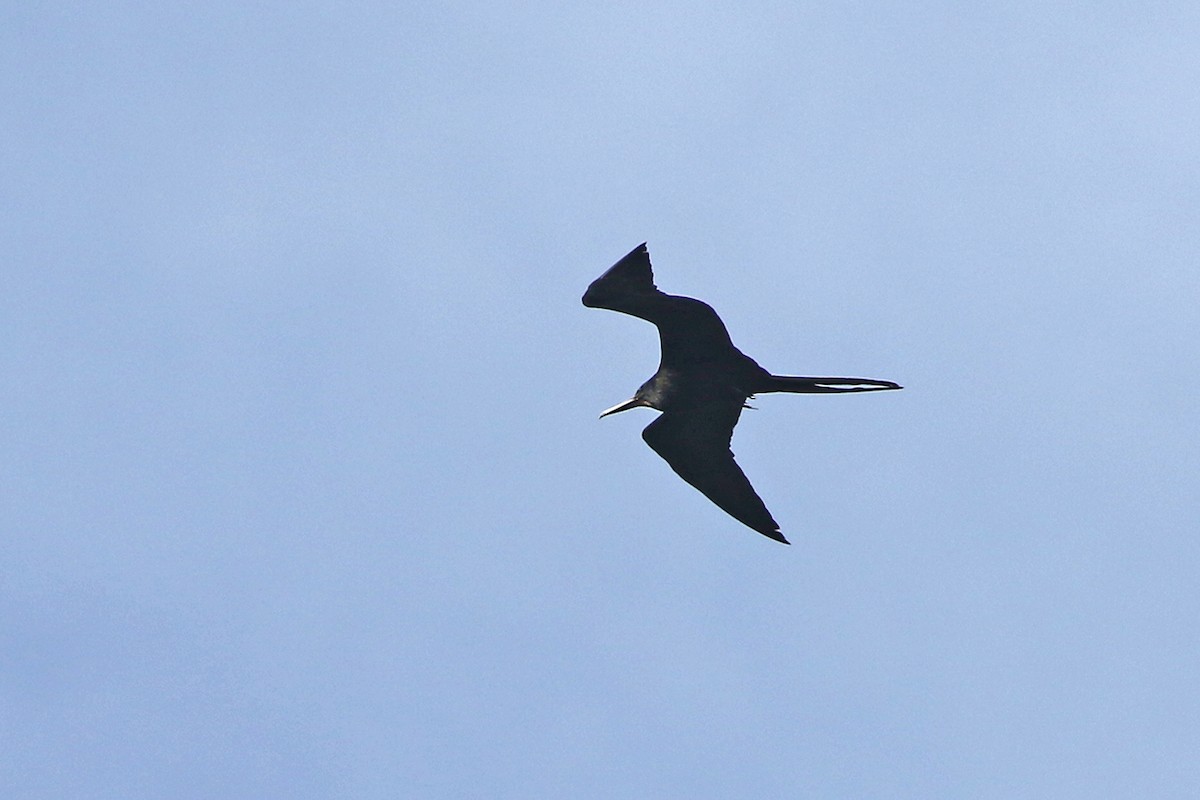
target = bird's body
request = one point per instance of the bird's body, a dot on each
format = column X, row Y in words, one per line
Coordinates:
column 701, row 386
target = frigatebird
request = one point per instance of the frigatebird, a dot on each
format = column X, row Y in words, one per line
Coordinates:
column 701, row 386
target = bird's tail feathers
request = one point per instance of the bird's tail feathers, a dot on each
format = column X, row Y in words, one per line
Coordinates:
column 802, row 385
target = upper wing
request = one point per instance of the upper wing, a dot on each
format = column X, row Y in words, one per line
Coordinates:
column 627, row 286
column 689, row 330
column 695, row 442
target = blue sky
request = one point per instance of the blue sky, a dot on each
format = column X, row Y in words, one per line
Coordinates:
column 304, row 493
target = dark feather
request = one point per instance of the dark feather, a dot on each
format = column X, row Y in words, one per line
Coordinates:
column 701, row 386
column 695, row 442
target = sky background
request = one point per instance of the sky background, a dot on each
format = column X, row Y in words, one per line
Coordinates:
column 302, row 490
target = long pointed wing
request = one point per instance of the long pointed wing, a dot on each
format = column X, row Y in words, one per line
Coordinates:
column 695, row 442
column 689, row 330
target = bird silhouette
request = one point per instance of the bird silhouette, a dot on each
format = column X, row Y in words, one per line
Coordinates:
column 701, row 387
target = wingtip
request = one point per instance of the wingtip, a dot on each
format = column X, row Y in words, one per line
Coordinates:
column 776, row 535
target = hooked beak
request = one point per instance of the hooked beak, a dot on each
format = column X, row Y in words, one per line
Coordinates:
column 632, row 402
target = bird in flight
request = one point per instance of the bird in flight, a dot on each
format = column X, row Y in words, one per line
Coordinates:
column 701, row 387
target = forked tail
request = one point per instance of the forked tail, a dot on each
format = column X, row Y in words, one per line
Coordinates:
column 790, row 383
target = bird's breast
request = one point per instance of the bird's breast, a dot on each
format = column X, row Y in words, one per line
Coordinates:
column 673, row 388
